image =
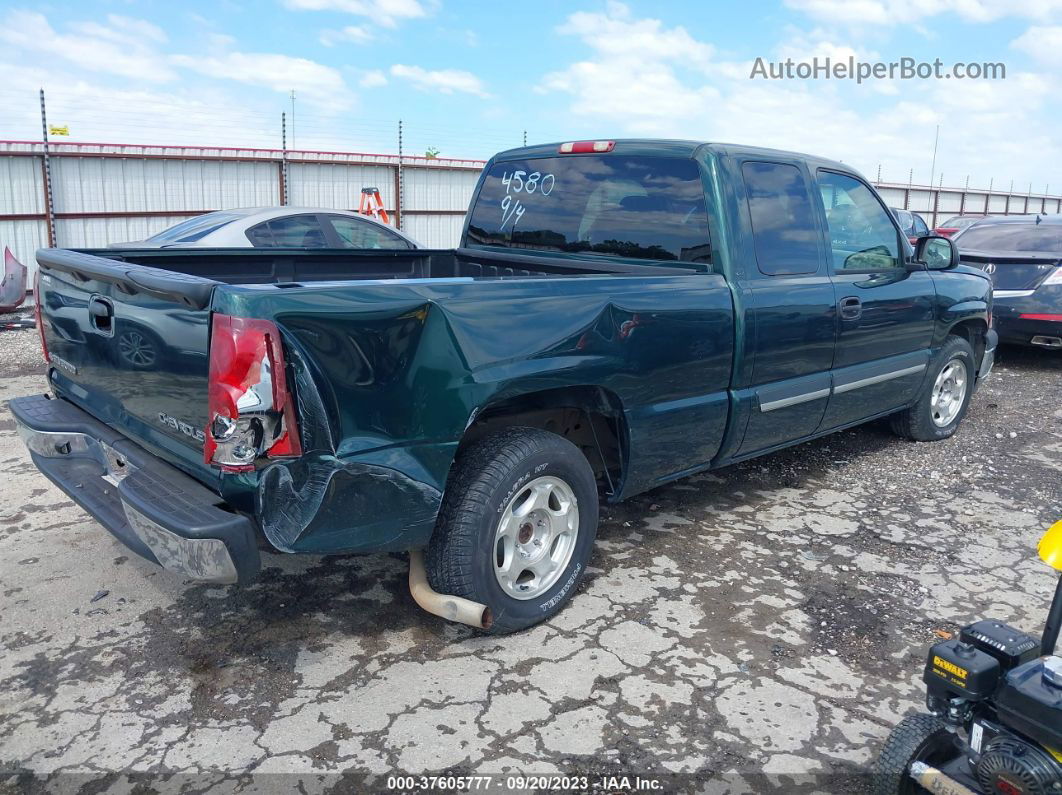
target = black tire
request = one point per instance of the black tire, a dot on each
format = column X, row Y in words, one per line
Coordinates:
column 917, row 738
column 916, row 422
column 486, row 477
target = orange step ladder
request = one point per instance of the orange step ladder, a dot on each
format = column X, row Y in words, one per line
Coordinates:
column 372, row 204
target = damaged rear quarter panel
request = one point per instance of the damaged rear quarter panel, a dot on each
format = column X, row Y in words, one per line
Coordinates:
column 388, row 376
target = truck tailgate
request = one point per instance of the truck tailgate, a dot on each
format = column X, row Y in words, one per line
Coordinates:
column 129, row 345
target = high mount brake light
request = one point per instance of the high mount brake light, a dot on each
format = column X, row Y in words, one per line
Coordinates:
column 582, row 147
column 251, row 411
column 37, row 315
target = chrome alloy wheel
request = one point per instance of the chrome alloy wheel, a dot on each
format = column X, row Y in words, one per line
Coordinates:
column 535, row 538
column 949, row 392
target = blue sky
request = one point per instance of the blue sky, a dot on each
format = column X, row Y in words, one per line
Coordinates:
column 469, row 78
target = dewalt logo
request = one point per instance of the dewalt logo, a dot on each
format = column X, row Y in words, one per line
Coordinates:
column 950, row 667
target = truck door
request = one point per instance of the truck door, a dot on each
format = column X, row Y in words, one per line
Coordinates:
column 884, row 310
column 790, row 305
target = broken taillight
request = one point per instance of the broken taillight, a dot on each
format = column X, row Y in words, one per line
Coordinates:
column 251, row 411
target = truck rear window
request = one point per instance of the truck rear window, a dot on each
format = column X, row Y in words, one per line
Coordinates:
column 640, row 207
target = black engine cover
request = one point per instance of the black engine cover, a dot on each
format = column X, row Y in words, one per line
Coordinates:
column 1012, row 766
column 1010, row 646
column 954, row 668
column 1029, row 705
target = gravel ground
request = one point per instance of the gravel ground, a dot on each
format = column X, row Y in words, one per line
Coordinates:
column 762, row 626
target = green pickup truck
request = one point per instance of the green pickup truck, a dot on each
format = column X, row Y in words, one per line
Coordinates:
column 619, row 314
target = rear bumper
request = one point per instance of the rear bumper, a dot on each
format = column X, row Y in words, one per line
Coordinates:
column 1009, row 307
column 153, row 508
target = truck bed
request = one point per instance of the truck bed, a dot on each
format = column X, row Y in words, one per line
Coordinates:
column 299, row 266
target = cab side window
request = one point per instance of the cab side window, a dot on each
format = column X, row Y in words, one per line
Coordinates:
column 863, row 236
column 784, row 228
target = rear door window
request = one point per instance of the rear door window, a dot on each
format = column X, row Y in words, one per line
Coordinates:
column 627, row 206
column 784, row 227
column 293, row 231
column 358, row 233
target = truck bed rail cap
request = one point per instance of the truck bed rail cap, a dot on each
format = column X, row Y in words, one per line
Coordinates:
column 193, row 291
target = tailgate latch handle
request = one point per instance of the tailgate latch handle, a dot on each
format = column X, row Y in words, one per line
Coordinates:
column 101, row 314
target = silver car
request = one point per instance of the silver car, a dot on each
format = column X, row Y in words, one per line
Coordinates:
column 278, row 227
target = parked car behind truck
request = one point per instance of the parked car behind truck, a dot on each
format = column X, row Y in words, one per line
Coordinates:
column 619, row 314
column 1023, row 255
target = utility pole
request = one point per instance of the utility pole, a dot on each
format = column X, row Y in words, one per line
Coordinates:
column 933, row 168
column 283, row 159
column 398, row 181
column 293, row 118
column 49, row 216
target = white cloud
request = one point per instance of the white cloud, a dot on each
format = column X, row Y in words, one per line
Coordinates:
column 374, row 78
column 444, row 81
column 905, row 12
column 312, row 81
column 387, row 13
column 616, row 34
column 880, row 122
column 123, row 47
column 351, row 34
column 122, row 29
column 1042, row 43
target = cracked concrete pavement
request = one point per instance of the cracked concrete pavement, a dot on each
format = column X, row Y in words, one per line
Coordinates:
column 769, row 618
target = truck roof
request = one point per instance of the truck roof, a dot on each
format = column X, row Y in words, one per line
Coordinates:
column 671, row 148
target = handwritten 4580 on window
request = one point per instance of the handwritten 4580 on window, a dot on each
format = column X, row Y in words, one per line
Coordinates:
column 528, row 184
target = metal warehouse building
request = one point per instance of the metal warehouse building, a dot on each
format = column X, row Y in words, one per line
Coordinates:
column 90, row 194
column 103, row 193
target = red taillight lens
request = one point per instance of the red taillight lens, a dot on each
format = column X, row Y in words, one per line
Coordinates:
column 37, row 315
column 582, row 147
column 1035, row 316
column 250, row 408
column 945, row 231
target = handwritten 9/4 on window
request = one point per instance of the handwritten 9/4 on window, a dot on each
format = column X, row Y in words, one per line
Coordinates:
column 512, row 208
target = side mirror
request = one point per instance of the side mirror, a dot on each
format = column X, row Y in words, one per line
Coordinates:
column 936, row 252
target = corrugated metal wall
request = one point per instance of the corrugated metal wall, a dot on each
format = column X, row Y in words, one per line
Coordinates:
column 935, row 205
column 107, row 193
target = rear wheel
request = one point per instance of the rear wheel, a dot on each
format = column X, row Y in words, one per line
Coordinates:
column 516, row 527
column 945, row 397
column 917, row 738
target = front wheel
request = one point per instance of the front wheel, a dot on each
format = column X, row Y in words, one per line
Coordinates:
column 945, row 397
column 516, row 527
column 917, row 738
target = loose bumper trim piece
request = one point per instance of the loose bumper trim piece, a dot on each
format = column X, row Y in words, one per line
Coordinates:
column 153, row 508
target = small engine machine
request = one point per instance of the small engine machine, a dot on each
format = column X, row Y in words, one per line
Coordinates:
column 995, row 712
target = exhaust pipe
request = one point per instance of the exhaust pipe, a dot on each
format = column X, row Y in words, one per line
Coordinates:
column 1047, row 342
column 452, row 608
